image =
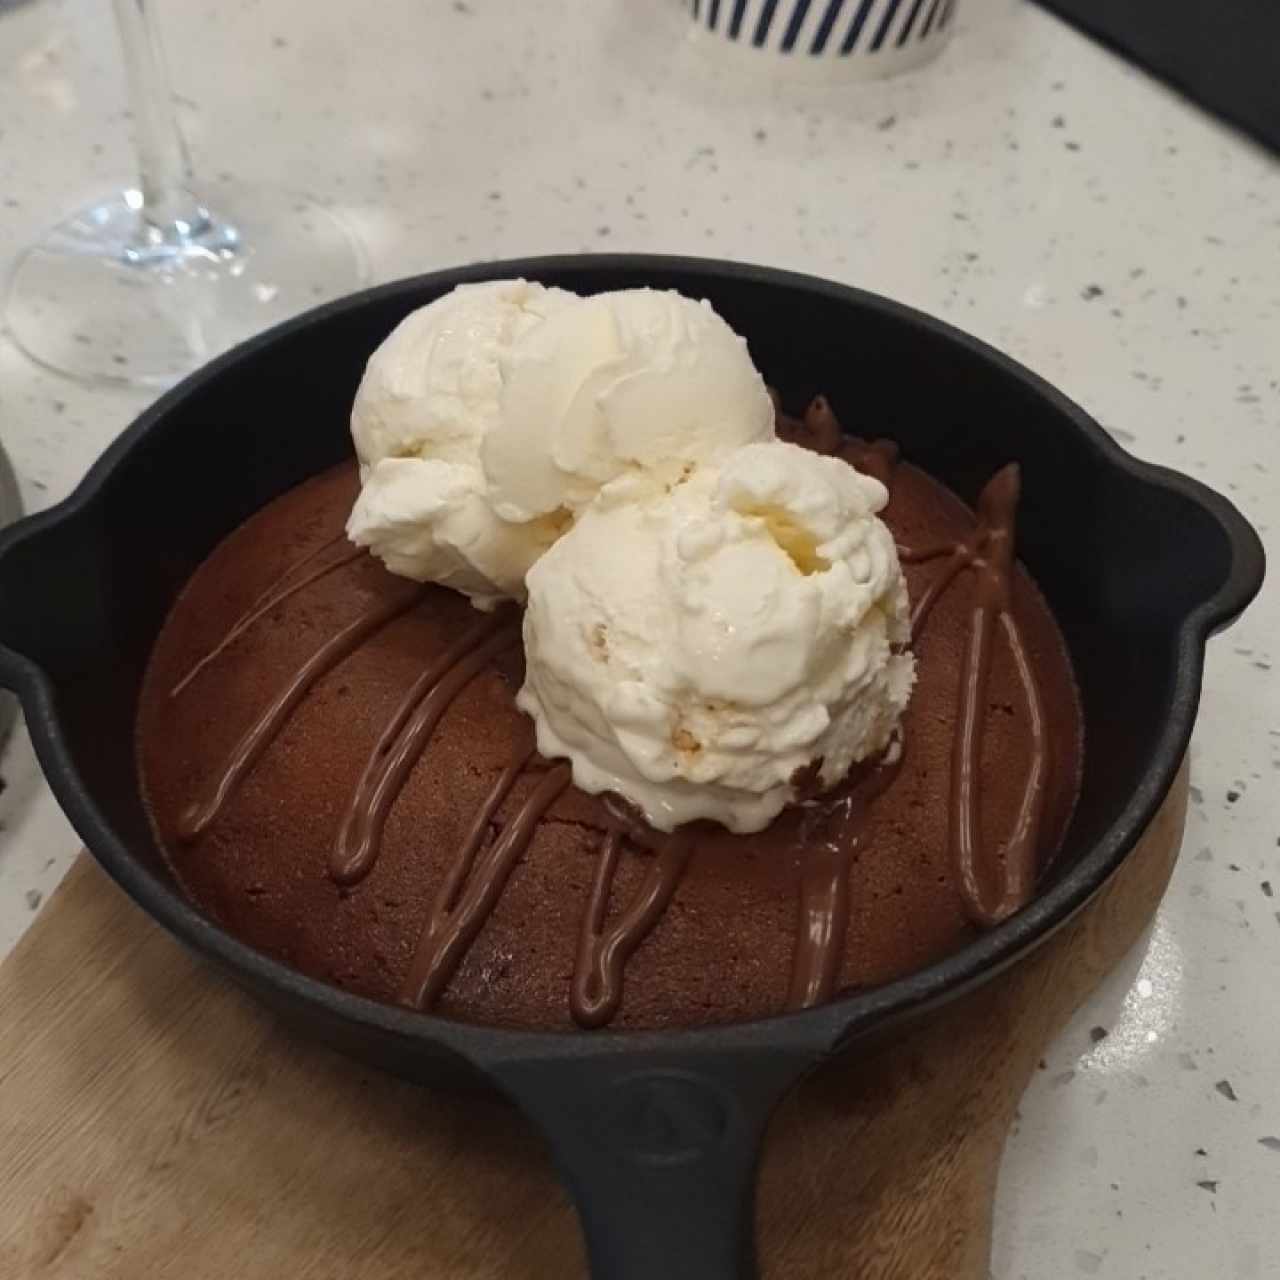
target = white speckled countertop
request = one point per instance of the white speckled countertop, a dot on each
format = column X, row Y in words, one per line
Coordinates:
column 1030, row 187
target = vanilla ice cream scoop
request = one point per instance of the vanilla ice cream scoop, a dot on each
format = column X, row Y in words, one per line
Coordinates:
column 431, row 521
column 490, row 417
column 432, row 388
column 430, row 395
column 694, row 646
column 637, row 380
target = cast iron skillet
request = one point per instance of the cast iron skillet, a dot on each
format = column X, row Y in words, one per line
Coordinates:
column 656, row 1134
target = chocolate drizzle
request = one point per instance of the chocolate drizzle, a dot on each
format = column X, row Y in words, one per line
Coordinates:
column 405, row 738
column 830, row 833
column 831, row 838
column 826, row 435
column 259, row 736
column 288, row 584
column 820, row 430
column 473, row 888
column 422, row 972
column 603, row 952
column 988, row 551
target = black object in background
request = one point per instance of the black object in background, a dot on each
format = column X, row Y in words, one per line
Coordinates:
column 1223, row 54
column 10, row 510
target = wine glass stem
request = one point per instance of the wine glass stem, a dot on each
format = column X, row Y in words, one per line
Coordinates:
column 164, row 167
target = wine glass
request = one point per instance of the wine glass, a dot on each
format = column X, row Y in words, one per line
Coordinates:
column 149, row 283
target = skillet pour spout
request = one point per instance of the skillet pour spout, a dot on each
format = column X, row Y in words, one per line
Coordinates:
column 655, row 1133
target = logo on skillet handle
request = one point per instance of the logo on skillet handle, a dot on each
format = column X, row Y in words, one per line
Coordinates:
column 664, row 1117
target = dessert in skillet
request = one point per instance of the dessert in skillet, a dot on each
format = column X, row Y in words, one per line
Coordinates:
column 597, row 690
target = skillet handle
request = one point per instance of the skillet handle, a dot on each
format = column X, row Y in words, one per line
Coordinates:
column 659, row 1154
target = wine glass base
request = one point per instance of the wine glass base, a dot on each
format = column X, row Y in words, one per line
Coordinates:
column 99, row 301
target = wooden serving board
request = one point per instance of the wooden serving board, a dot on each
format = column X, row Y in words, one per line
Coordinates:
column 155, row 1123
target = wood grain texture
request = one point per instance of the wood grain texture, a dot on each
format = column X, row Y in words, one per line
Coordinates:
column 154, row 1122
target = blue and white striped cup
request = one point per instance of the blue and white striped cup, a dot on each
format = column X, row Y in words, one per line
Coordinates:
column 826, row 39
